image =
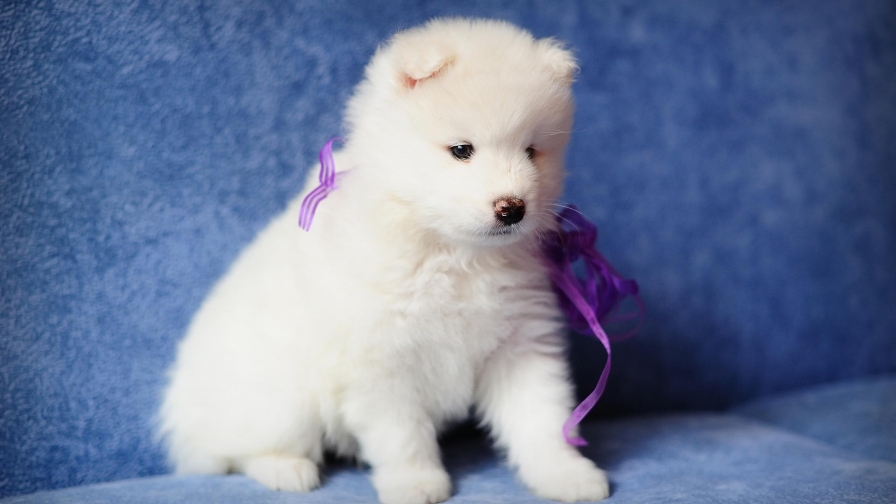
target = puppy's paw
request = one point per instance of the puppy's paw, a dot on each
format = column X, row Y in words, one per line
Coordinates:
column 412, row 485
column 282, row 472
column 570, row 479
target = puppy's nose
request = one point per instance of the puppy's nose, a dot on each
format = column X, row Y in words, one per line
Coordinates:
column 510, row 210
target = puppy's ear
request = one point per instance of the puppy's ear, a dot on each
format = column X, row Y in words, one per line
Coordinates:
column 559, row 59
column 417, row 57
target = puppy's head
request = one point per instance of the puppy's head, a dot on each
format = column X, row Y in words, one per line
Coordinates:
column 466, row 122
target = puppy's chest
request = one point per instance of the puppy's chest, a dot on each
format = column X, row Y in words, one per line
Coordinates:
column 443, row 298
column 448, row 318
column 454, row 315
column 453, row 320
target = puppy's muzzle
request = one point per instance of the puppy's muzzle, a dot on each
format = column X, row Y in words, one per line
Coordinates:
column 509, row 211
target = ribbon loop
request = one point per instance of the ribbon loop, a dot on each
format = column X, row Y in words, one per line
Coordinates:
column 327, row 178
column 586, row 304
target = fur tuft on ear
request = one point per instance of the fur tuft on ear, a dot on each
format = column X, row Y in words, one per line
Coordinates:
column 559, row 59
column 417, row 57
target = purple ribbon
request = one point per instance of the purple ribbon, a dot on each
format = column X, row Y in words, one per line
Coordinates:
column 586, row 303
column 327, row 179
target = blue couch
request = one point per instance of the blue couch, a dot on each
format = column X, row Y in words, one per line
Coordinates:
column 739, row 158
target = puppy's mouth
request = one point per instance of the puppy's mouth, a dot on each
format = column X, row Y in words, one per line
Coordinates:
column 497, row 236
column 503, row 231
column 503, row 235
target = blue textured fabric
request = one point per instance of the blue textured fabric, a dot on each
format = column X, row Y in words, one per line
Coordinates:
column 737, row 156
column 858, row 417
column 693, row 459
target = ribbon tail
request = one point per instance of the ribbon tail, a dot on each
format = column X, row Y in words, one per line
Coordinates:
column 578, row 414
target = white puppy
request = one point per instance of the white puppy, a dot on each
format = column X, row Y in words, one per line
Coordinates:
column 418, row 293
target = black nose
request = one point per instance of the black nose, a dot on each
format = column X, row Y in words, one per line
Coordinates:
column 510, row 210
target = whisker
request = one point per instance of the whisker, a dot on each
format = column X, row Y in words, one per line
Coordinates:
column 571, row 223
column 564, row 207
column 557, row 132
column 542, row 218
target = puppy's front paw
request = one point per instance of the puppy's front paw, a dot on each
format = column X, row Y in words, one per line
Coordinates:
column 571, row 479
column 282, row 472
column 412, row 485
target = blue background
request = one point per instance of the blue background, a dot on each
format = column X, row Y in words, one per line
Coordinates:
column 739, row 158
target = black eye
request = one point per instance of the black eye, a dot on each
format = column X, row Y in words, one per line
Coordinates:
column 530, row 151
column 461, row 152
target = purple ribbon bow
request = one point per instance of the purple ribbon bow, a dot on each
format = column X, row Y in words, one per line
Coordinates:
column 586, row 303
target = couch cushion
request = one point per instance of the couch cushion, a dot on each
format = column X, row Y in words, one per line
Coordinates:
column 664, row 459
column 858, row 416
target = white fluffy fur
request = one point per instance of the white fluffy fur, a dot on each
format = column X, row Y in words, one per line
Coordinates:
column 404, row 306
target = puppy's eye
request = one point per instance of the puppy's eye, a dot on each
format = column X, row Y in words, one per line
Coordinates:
column 530, row 151
column 461, row 152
